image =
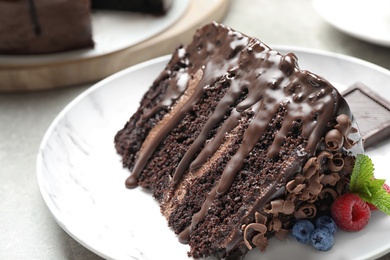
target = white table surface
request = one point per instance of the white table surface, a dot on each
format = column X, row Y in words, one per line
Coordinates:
column 27, row 229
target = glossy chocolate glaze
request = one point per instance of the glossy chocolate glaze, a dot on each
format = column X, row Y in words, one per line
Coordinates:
column 271, row 80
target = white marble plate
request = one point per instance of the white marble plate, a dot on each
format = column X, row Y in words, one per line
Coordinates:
column 368, row 20
column 82, row 181
column 112, row 31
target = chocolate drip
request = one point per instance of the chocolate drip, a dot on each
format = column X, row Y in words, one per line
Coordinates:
column 148, row 150
column 213, row 146
column 184, row 236
column 34, row 17
column 221, row 110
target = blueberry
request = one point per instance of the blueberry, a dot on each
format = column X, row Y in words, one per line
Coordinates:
column 326, row 222
column 322, row 239
column 302, row 230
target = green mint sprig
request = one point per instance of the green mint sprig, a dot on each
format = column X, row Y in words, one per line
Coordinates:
column 364, row 184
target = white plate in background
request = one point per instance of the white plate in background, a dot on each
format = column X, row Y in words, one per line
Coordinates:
column 82, row 180
column 368, row 20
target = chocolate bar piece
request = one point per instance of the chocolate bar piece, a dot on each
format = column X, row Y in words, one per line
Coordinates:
column 372, row 113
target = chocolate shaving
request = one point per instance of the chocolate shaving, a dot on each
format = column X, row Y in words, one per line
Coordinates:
column 294, row 187
column 324, row 155
column 260, row 218
column 336, row 163
column 306, row 210
column 349, row 163
column 325, row 193
column 262, row 229
column 343, row 124
column 334, row 140
column 330, row 179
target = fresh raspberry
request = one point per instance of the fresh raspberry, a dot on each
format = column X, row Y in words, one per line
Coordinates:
column 372, row 207
column 350, row 212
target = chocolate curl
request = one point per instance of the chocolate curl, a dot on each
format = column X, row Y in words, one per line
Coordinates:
column 316, row 177
column 260, row 218
column 312, row 162
column 328, row 192
column 336, row 163
column 310, row 172
column 279, row 206
column 275, row 224
column 328, row 195
column 305, row 195
column 314, row 189
column 306, row 210
column 295, row 186
column 334, row 140
column 324, row 155
column 291, row 197
column 288, row 207
column 341, row 185
column 349, row 163
column 345, row 127
column 257, row 227
column 330, row 179
column 274, row 207
column 348, row 143
column 343, row 124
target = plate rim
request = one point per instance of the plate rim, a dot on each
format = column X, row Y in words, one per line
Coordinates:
column 364, row 37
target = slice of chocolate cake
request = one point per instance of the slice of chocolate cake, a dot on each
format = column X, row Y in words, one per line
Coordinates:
column 236, row 143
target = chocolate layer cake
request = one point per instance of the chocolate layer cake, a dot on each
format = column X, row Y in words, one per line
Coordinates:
column 236, row 143
column 44, row 26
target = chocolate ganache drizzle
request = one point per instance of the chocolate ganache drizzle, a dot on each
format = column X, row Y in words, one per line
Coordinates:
column 271, row 80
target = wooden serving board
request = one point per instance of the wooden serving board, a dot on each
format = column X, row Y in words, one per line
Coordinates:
column 56, row 74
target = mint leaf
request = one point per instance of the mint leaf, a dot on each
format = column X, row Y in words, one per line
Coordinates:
column 362, row 173
column 364, row 184
column 381, row 200
column 375, row 185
